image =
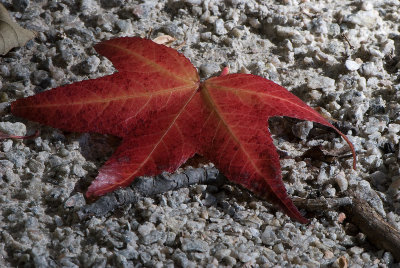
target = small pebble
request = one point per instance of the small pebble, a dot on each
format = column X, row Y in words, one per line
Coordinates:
column 90, row 65
column 342, row 181
column 17, row 129
column 352, row 65
column 20, row 5
column 194, row 245
column 209, row 69
column 111, row 3
column 328, row 254
column 321, row 82
column 219, row 27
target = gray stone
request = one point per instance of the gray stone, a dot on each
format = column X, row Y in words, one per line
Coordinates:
column 205, row 36
column 36, row 166
column 17, row 129
column 18, row 158
column 153, row 237
column 145, row 229
column 180, row 258
column 40, row 261
column 7, row 145
column 229, row 261
column 369, row 69
column 320, row 82
column 20, row 72
column 79, row 171
column 209, row 69
column 194, row 2
column 125, row 26
column 209, row 200
column 388, row 258
column 129, row 253
column 67, row 263
column 90, row 65
column 302, row 129
column 194, row 245
column 334, row 29
column 76, row 201
column 268, row 237
column 356, row 250
column 219, row 27
column 39, row 76
column 88, row 6
column 172, row 29
column 220, row 254
column 278, row 248
column 20, row 5
column 170, row 239
column 379, row 178
column 319, row 26
column 368, row 18
column 111, row 3
column 145, row 257
column 121, row 261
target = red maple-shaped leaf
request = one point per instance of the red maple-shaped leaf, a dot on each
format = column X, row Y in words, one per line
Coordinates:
column 164, row 114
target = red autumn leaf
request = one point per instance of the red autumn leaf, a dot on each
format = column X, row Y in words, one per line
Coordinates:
column 164, row 114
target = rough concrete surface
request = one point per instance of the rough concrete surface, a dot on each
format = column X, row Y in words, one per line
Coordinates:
column 342, row 57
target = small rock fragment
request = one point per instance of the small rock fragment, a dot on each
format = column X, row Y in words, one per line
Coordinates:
column 364, row 18
column 342, row 181
column 111, row 3
column 20, row 5
column 342, row 262
column 328, row 254
column 268, row 237
column 341, row 217
column 352, row 65
column 219, row 27
column 194, row 245
column 17, row 129
column 90, row 65
column 302, row 129
column 369, row 69
column 75, row 201
column 321, row 82
column 209, row 69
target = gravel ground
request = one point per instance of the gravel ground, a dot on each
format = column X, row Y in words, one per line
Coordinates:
column 341, row 56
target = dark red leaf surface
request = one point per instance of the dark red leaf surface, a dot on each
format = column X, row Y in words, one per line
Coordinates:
column 164, row 115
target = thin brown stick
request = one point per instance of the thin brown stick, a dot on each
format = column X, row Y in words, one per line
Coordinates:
column 378, row 231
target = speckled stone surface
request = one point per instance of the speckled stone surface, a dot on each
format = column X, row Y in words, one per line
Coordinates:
column 340, row 56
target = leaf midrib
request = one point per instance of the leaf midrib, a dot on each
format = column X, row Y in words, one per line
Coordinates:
column 120, row 98
column 161, row 138
column 216, row 108
column 238, row 91
column 156, row 66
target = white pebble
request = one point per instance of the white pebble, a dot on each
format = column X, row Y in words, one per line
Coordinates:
column 352, row 65
column 394, row 128
column 321, row 82
column 219, row 27
column 342, row 181
column 367, row 18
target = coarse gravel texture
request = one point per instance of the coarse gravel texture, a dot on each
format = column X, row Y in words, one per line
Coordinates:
column 340, row 56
